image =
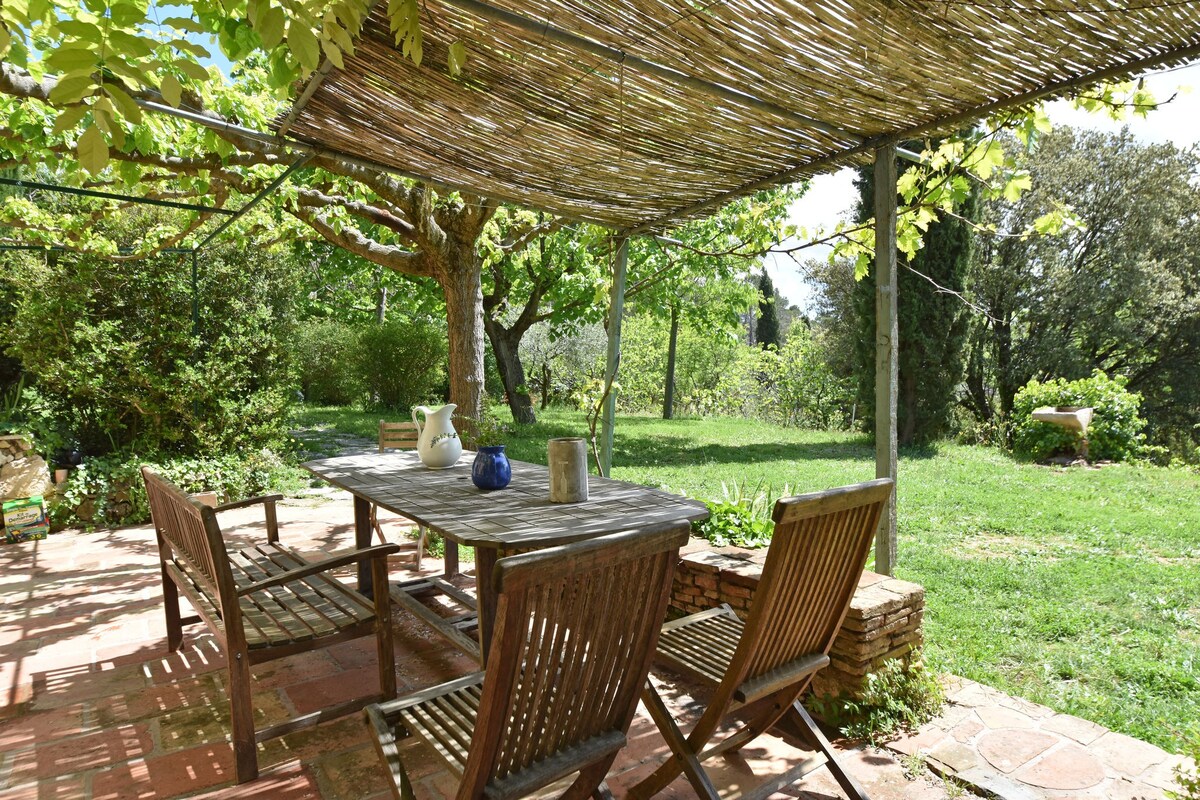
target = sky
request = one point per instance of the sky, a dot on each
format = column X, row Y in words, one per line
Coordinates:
column 830, row 198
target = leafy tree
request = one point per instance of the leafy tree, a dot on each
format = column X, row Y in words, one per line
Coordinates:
column 767, row 331
column 562, row 364
column 931, row 317
column 395, row 224
column 552, row 278
column 120, row 366
column 1120, row 292
column 562, row 279
column 698, row 278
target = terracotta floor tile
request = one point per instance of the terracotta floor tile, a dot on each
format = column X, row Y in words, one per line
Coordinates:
column 167, row 776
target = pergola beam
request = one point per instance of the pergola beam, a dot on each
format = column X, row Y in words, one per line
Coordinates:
column 258, row 198
column 887, row 346
column 81, row 192
column 616, row 310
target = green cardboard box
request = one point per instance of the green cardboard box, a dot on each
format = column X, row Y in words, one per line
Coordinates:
column 25, row 519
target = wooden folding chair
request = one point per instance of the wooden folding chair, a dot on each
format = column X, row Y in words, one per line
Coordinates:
column 400, row 436
column 574, row 635
column 817, row 554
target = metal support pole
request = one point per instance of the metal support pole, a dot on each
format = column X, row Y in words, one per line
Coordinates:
column 887, row 374
column 616, row 309
column 195, row 297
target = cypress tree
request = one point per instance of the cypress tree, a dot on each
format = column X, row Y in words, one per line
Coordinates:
column 933, row 324
column 767, row 330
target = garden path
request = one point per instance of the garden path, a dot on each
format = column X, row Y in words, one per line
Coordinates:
column 1016, row 750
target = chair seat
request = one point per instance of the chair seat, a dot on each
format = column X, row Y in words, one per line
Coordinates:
column 442, row 716
column 306, row 609
column 702, row 644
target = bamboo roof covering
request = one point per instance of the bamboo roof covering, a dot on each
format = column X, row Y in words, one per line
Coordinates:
column 714, row 98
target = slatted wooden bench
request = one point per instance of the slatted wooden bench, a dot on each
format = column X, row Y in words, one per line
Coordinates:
column 262, row 603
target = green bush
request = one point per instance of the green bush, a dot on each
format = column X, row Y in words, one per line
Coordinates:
column 400, row 364
column 1116, row 429
column 739, row 518
column 324, row 353
column 108, row 491
column 109, row 346
column 1188, row 776
column 902, row 694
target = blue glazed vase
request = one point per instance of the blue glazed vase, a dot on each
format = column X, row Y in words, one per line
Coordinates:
column 491, row 469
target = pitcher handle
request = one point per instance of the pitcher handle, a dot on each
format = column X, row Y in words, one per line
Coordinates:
column 416, row 421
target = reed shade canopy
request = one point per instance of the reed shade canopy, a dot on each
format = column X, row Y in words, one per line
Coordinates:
column 636, row 113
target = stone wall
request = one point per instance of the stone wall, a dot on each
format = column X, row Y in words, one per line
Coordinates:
column 884, row 620
column 23, row 473
column 12, row 448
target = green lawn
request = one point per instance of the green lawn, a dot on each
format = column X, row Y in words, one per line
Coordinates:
column 1079, row 589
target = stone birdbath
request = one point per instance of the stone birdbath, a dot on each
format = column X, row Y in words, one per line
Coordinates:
column 1073, row 418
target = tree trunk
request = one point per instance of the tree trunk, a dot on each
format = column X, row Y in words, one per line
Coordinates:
column 545, row 386
column 462, row 287
column 908, row 409
column 669, row 387
column 506, row 345
column 1004, row 368
column 381, row 306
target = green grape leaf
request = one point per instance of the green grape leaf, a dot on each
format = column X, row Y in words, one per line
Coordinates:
column 457, row 57
column 303, row 44
column 171, row 90
column 92, row 150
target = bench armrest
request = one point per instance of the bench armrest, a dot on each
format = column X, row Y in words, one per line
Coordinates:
column 250, row 501
column 377, row 551
column 268, row 502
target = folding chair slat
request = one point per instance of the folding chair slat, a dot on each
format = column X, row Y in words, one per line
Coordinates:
column 816, row 556
column 575, row 631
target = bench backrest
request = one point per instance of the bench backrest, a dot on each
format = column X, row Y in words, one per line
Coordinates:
column 188, row 534
column 575, row 632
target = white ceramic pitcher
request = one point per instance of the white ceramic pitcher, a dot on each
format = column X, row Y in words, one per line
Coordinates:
column 437, row 441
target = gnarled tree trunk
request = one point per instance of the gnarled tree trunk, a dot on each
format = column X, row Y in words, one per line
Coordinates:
column 462, row 287
column 505, row 344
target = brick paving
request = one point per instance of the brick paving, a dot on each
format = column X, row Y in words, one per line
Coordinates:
column 92, row 707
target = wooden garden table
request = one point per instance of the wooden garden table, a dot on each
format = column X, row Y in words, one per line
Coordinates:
column 515, row 519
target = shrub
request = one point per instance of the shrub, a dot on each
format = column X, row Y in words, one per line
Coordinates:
column 739, row 518
column 902, row 694
column 108, row 491
column 110, row 347
column 1188, row 776
column 799, row 387
column 324, row 353
column 400, row 363
column 1116, row 429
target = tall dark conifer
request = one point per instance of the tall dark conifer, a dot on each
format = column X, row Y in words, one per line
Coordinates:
column 933, row 323
column 767, row 330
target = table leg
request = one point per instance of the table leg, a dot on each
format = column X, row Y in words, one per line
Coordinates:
column 450, row 559
column 485, row 560
column 362, row 540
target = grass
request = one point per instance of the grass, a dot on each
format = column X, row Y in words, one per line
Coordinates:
column 1079, row 589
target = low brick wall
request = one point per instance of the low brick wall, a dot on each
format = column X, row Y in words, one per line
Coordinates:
column 884, row 620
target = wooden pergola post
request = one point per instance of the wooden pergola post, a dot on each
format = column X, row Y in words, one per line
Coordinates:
column 616, row 310
column 887, row 372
